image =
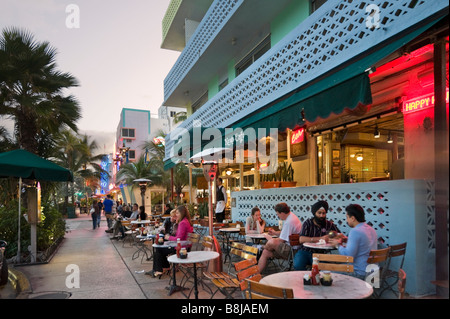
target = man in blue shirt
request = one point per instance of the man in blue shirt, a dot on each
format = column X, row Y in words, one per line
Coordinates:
column 361, row 239
column 107, row 207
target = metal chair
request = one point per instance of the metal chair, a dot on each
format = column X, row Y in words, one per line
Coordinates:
column 333, row 262
column 391, row 273
column 379, row 257
column 130, row 232
column 228, row 284
column 287, row 264
column 257, row 290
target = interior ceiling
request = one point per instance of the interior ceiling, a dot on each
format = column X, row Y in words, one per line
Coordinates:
column 393, row 123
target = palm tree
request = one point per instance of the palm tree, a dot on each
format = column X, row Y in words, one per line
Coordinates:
column 180, row 117
column 132, row 171
column 31, row 89
column 77, row 154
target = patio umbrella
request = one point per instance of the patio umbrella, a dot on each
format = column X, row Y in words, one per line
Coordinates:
column 26, row 165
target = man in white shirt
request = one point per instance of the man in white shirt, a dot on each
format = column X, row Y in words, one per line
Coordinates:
column 279, row 247
column 221, row 200
column 135, row 212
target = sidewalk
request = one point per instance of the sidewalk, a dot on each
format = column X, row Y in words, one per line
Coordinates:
column 106, row 269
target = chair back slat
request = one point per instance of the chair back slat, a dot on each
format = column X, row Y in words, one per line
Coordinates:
column 397, row 250
column 378, row 255
column 257, row 290
column 335, row 262
column 294, row 240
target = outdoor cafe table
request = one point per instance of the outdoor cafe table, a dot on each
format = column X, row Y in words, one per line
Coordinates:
column 343, row 286
column 227, row 233
column 172, row 244
column 193, row 258
column 141, row 247
column 258, row 237
column 319, row 246
column 144, row 221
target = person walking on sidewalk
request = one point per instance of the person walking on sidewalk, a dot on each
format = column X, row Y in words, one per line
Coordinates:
column 108, row 207
column 99, row 217
column 95, row 213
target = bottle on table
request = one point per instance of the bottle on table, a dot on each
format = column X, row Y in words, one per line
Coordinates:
column 315, row 274
column 178, row 247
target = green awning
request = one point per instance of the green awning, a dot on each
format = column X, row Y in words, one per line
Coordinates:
column 346, row 87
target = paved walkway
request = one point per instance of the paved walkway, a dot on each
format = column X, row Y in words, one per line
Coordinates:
column 106, row 269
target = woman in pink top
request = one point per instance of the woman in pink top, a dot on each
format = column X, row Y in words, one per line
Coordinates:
column 184, row 227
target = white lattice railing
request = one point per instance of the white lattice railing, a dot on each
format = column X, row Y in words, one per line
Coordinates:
column 334, row 34
column 214, row 20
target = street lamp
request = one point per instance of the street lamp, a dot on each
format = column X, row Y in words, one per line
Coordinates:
column 143, row 186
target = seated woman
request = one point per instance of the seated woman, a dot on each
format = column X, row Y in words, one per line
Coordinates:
column 170, row 222
column 254, row 225
column 183, row 228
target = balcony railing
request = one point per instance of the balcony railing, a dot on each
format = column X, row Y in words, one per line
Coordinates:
column 334, row 34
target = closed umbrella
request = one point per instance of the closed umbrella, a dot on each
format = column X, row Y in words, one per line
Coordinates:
column 26, row 165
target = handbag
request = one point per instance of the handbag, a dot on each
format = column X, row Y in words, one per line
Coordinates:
column 92, row 210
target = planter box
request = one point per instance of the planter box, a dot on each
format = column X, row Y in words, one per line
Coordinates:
column 270, row 184
column 288, row 184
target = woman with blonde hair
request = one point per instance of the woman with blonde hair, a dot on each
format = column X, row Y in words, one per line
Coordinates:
column 183, row 228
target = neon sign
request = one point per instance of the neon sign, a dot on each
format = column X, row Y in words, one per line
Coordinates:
column 298, row 136
column 421, row 103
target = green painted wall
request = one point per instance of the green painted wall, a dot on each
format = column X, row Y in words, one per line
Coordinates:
column 288, row 19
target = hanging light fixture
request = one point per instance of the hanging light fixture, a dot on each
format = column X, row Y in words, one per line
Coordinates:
column 389, row 139
column 359, row 156
column 376, row 134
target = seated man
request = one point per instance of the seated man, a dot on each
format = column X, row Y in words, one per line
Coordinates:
column 279, row 247
column 313, row 230
column 361, row 240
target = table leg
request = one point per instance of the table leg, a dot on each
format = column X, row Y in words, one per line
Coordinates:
column 195, row 282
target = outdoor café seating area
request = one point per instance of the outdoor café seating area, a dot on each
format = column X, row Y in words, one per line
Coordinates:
column 231, row 272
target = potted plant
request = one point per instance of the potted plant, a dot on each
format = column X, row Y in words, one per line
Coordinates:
column 287, row 175
column 269, row 181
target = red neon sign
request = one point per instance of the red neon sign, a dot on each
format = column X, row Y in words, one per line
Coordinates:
column 298, row 136
column 420, row 103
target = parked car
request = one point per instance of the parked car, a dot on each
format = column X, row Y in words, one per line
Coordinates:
column 3, row 264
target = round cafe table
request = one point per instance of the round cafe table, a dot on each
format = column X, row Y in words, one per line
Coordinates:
column 319, row 246
column 193, row 258
column 343, row 286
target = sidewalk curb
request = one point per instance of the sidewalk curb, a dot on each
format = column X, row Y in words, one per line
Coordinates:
column 20, row 283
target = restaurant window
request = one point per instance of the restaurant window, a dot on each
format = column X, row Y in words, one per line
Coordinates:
column 128, row 132
column 200, row 102
column 253, row 55
column 131, row 154
column 223, row 85
column 316, row 4
column 363, row 164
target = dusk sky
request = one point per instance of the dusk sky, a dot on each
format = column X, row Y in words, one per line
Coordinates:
column 115, row 52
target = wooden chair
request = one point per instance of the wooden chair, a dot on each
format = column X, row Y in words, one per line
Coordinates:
column 130, row 232
column 395, row 262
column 380, row 257
column 194, row 238
column 235, row 253
column 401, row 284
column 333, row 262
column 287, row 264
column 245, row 269
column 257, row 290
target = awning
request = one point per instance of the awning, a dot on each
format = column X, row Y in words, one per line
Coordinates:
column 346, row 86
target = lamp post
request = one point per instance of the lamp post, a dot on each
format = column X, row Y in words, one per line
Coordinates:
column 143, row 186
